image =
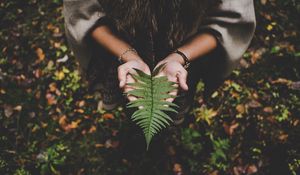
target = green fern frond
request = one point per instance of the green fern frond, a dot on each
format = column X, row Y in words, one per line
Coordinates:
column 152, row 92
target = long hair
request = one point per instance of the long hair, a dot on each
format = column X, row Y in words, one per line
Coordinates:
column 173, row 17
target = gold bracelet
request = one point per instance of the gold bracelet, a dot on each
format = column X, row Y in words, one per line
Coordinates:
column 125, row 52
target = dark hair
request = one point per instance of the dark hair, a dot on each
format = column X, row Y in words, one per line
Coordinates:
column 175, row 17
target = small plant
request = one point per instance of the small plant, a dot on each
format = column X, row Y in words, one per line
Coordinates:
column 21, row 171
column 51, row 158
column 152, row 92
column 218, row 156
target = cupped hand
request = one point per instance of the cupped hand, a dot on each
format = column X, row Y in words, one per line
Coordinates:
column 124, row 74
column 175, row 72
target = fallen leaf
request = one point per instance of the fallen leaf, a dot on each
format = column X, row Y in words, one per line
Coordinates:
column 52, row 87
column 241, row 109
column 177, row 168
column 263, row 2
column 74, row 124
column 92, row 129
column 268, row 110
column 108, row 116
column 40, row 54
column 8, row 110
column 98, row 145
column 38, row 73
column 81, row 103
column 63, row 59
column 281, row 81
column 230, row 128
column 111, row 144
column 254, row 104
column 81, row 111
column 63, row 121
column 251, row 169
column 51, row 99
column 18, row 108
column 60, row 75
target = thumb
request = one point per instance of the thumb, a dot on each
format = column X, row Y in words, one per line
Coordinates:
column 122, row 73
column 182, row 81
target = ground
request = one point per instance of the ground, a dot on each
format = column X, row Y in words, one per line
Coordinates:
column 50, row 124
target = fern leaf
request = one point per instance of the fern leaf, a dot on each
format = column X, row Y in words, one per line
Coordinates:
column 152, row 92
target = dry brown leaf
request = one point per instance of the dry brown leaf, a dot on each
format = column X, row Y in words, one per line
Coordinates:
column 8, row 110
column 282, row 81
column 38, row 73
column 229, row 129
column 177, row 168
column 51, row 99
column 63, row 121
column 81, row 103
column 108, row 116
column 254, row 104
column 111, row 144
column 268, row 110
column 40, row 54
column 251, row 169
column 99, row 145
column 93, row 129
column 81, row 111
column 52, row 87
column 18, row 108
column 241, row 109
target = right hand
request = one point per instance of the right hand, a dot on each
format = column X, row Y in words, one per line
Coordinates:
column 124, row 74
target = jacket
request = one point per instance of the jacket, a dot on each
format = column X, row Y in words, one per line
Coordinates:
column 232, row 22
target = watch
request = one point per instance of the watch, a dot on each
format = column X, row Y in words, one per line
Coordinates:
column 185, row 58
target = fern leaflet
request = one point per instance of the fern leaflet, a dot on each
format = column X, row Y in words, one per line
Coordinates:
column 152, row 92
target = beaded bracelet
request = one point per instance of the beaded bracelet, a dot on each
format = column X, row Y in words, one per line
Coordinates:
column 125, row 52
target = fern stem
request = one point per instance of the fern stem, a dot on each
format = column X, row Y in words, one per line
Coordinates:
column 150, row 123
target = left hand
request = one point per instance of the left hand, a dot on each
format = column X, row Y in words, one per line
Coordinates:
column 175, row 72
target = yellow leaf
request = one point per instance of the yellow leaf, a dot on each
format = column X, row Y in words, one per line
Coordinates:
column 269, row 27
column 60, row 75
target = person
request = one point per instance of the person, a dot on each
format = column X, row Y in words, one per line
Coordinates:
column 110, row 38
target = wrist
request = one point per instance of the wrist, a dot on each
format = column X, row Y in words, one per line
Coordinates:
column 185, row 59
column 129, row 55
column 175, row 57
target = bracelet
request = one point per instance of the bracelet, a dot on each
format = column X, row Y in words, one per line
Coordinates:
column 125, row 52
column 185, row 58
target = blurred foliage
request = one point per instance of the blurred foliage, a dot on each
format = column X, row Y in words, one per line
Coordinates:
column 51, row 124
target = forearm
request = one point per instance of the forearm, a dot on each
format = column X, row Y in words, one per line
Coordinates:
column 105, row 37
column 198, row 46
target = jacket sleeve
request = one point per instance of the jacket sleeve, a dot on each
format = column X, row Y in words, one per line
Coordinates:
column 80, row 17
column 233, row 23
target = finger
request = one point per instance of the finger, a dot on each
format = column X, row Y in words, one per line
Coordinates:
column 147, row 71
column 160, row 74
column 174, row 92
column 182, row 80
column 129, row 79
column 122, row 73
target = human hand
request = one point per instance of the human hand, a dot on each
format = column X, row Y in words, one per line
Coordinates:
column 124, row 74
column 175, row 72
